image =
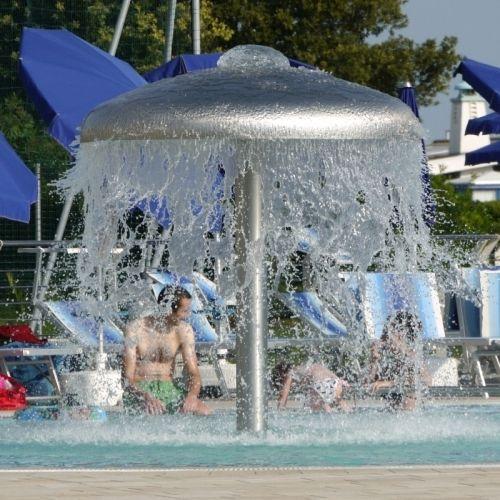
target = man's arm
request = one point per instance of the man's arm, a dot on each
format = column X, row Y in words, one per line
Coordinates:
column 190, row 361
column 191, row 404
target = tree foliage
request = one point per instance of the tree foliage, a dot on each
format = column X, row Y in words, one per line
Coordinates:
column 460, row 214
column 354, row 39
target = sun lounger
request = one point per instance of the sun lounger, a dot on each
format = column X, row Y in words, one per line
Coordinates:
column 386, row 293
column 79, row 325
column 309, row 307
column 482, row 321
column 36, row 362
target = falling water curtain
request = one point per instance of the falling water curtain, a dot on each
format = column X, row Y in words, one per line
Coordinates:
column 406, row 94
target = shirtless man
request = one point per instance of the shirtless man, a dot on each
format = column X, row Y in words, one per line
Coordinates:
column 151, row 345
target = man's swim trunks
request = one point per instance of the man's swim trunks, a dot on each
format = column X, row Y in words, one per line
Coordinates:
column 164, row 390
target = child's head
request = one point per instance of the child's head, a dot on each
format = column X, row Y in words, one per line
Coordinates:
column 279, row 373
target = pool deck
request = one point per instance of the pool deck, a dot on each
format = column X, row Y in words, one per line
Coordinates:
column 440, row 482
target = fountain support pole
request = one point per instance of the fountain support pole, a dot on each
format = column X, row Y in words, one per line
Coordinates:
column 251, row 334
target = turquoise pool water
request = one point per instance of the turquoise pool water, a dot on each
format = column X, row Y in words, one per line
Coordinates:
column 436, row 435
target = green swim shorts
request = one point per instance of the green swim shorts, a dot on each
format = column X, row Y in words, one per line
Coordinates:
column 164, row 390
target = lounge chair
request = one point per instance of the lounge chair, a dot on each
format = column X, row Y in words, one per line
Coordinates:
column 481, row 322
column 83, row 328
column 386, row 293
column 309, row 307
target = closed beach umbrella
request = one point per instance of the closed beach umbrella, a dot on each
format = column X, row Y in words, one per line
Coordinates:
column 18, row 185
column 486, row 154
column 66, row 77
column 406, row 93
column 484, row 79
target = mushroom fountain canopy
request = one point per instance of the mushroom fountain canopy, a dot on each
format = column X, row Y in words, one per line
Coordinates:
column 332, row 155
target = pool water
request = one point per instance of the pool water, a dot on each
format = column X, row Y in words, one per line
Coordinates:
column 435, row 435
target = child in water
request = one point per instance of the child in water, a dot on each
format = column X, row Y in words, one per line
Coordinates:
column 323, row 389
column 395, row 361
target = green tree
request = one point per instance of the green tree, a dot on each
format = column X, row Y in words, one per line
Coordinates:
column 354, row 39
column 460, row 214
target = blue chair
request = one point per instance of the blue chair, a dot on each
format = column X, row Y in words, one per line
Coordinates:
column 387, row 293
column 82, row 327
column 309, row 307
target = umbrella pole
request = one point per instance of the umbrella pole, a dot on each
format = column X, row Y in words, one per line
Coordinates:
column 195, row 22
column 119, row 27
column 169, row 33
column 36, row 324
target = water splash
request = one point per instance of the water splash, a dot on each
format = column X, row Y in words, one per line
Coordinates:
column 350, row 173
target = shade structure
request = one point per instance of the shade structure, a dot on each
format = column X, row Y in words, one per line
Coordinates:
column 487, row 154
column 484, row 79
column 66, row 77
column 488, row 124
column 406, row 94
column 187, row 63
column 18, row 185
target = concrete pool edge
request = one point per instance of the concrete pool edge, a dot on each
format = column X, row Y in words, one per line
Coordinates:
column 398, row 482
column 257, row 469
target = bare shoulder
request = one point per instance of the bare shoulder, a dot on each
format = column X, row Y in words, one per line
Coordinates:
column 185, row 332
column 134, row 331
column 134, row 327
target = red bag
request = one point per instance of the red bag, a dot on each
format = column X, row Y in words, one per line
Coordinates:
column 12, row 394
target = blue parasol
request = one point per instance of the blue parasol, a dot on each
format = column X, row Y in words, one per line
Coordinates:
column 187, row 63
column 484, row 79
column 488, row 124
column 66, row 77
column 486, row 154
column 18, row 185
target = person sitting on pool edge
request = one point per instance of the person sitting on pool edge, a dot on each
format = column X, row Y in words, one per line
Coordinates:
column 151, row 345
column 395, row 361
column 323, row 389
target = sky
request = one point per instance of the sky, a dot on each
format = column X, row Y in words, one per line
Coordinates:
column 476, row 24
